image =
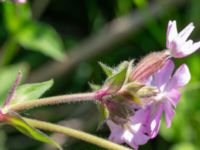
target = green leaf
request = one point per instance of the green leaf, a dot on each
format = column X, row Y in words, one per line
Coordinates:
column 122, row 65
column 103, row 115
column 129, row 71
column 42, row 38
column 107, row 70
column 15, row 15
column 116, row 81
column 15, row 120
column 7, row 78
column 31, row 91
column 94, row 87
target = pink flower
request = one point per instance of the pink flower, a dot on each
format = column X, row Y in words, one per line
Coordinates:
column 168, row 96
column 132, row 133
column 177, row 42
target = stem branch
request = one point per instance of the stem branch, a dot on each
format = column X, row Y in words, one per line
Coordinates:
column 75, row 133
column 52, row 101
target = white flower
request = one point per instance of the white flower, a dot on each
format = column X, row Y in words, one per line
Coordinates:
column 177, row 42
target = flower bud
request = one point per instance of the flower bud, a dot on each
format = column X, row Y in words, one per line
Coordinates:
column 149, row 65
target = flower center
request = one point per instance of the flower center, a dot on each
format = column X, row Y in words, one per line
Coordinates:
column 160, row 97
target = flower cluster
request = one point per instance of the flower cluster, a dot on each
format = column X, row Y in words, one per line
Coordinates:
column 136, row 97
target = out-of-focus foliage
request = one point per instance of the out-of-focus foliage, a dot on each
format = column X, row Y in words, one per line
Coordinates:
column 27, row 42
column 30, row 34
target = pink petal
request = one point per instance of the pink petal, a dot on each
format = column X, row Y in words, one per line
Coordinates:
column 153, row 124
column 140, row 116
column 169, row 113
column 163, row 75
column 116, row 132
column 180, row 78
column 128, row 136
column 135, row 136
column 141, row 139
column 174, row 96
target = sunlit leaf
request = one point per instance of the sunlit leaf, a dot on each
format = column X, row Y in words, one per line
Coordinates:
column 107, row 70
column 8, row 76
column 15, row 120
column 116, row 81
column 94, row 87
column 42, row 38
column 31, row 91
column 122, row 65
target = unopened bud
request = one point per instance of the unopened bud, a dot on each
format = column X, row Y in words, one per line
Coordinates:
column 149, row 65
column 147, row 91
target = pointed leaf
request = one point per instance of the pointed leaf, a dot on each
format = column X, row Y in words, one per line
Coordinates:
column 15, row 120
column 42, row 38
column 122, row 65
column 103, row 115
column 94, row 87
column 129, row 71
column 31, row 91
column 7, row 77
column 107, row 70
column 116, row 81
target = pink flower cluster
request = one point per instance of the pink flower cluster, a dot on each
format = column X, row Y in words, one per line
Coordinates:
column 144, row 123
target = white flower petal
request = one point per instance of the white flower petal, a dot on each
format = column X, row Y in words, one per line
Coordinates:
column 193, row 48
column 171, row 33
column 185, row 33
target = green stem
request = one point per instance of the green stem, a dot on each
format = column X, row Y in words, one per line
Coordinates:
column 75, row 133
column 52, row 101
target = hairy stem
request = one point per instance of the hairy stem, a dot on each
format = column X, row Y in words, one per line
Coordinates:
column 52, row 101
column 75, row 133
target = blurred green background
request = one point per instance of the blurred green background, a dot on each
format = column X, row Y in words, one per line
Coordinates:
column 65, row 40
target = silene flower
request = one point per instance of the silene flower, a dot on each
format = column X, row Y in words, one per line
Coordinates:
column 135, row 124
column 167, row 97
column 136, row 97
column 177, row 43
